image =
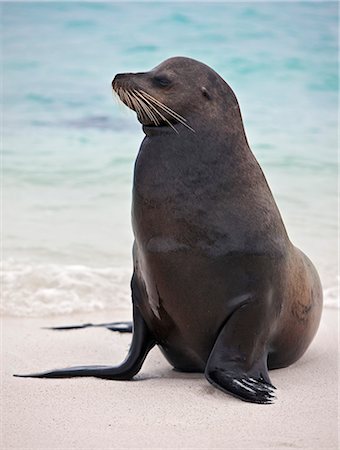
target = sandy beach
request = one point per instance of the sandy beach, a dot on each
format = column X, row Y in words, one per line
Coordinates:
column 69, row 153
column 161, row 408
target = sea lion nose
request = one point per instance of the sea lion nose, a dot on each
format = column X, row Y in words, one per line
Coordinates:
column 119, row 78
column 129, row 77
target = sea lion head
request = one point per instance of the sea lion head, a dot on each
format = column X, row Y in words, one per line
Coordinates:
column 180, row 93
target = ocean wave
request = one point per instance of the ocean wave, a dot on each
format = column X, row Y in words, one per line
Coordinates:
column 34, row 290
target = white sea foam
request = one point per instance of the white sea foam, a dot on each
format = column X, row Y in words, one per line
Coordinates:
column 33, row 290
column 49, row 289
column 331, row 297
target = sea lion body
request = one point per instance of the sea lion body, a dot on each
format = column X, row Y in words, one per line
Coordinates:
column 209, row 236
column 217, row 283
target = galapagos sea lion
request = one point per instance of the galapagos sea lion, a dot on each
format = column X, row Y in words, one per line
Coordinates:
column 217, row 284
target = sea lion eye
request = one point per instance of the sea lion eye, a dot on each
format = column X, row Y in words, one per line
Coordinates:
column 162, row 81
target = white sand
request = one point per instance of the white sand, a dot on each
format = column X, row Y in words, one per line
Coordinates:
column 162, row 408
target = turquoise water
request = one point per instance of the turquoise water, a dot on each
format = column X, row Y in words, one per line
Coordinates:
column 69, row 148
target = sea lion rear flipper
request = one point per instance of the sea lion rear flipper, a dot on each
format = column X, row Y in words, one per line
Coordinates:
column 121, row 327
column 142, row 343
column 238, row 361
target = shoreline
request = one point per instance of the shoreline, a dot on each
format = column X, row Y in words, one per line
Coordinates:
column 41, row 289
column 161, row 408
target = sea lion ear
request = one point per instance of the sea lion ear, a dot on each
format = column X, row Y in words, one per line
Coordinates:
column 205, row 92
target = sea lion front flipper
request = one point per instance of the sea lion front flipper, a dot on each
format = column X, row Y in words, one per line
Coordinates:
column 121, row 327
column 142, row 343
column 238, row 361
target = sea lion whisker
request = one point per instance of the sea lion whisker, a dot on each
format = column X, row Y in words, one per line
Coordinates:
column 133, row 104
column 158, row 112
column 128, row 100
column 152, row 110
column 119, row 96
column 141, row 108
column 166, row 120
column 122, row 95
column 175, row 117
column 167, row 108
column 162, row 117
column 153, row 117
column 170, row 111
column 151, row 107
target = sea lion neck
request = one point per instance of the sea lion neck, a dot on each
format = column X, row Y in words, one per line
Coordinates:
column 229, row 139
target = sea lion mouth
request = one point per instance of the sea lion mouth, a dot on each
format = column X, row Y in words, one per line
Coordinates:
column 151, row 113
column 153, row 130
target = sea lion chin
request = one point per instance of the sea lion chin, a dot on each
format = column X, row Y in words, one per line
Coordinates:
column 217, row 284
